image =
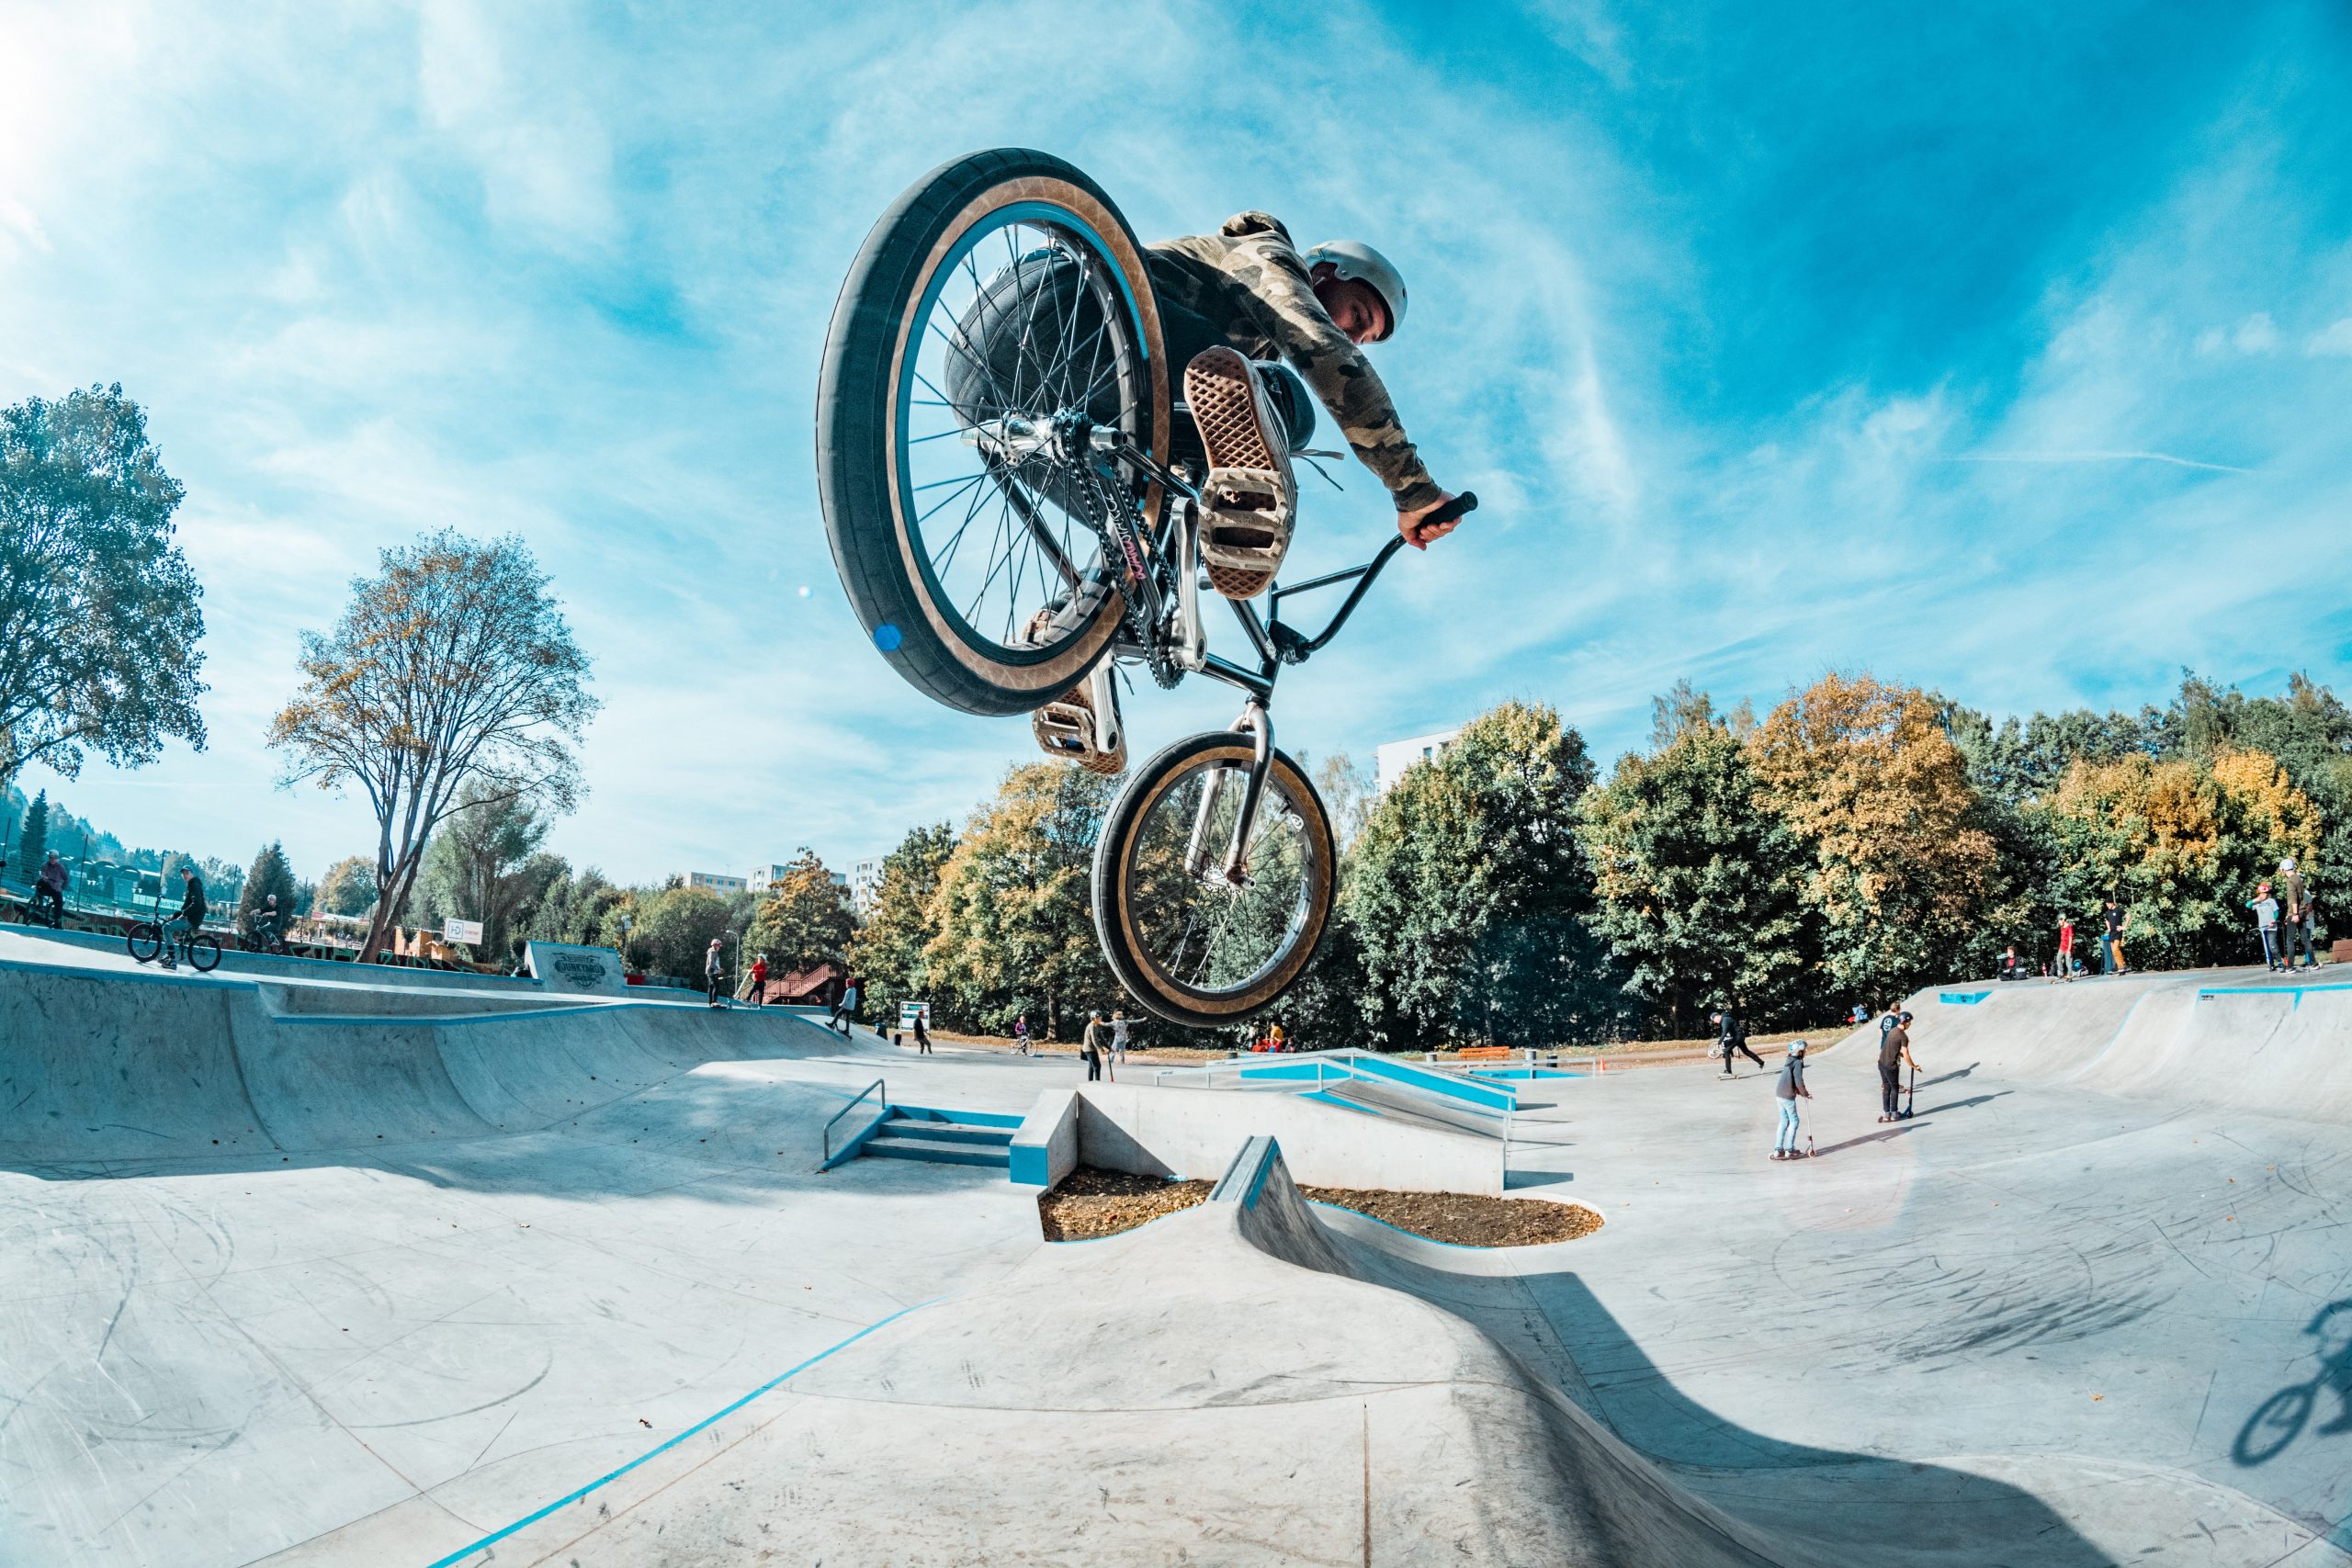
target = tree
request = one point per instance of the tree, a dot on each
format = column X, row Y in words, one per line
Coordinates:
column 483, row 864
column 348, row 887
column 580, row 908
column 672, row 930
column 452, row 666
column 1015, row 935
column 1699, row 886
column 2181, row 846
column 99, row 623
column 802, row 922
column 270, row 873
column 888, row 950
column 1348, row 789
column 1469, row 891
column 32, row 840
column 1902, row 858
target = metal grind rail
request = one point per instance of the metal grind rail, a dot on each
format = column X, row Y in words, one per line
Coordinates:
column 882, row 1113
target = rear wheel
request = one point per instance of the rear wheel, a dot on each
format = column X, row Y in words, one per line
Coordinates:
column 144, row 940
column 1191, row 946
column 998, row 308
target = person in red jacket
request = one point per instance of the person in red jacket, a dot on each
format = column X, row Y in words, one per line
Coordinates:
column 760, row 981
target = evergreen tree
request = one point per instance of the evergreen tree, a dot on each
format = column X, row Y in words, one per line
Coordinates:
column 270, row 873
column 32, row 841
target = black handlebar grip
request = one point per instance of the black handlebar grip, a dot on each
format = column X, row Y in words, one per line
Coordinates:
column 1465, row 502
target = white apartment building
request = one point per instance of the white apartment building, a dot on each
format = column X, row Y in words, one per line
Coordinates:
column 865, row 886
column 715, row 881
column 1392, row 758
column 767, row 877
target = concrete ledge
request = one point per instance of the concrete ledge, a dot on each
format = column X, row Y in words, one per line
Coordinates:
column 1191, row 1134
column 1046, row 1148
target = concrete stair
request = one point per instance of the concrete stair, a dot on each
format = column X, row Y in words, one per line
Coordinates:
column 944, row 1138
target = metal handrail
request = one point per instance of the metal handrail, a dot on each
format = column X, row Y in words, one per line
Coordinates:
column 884, row 1102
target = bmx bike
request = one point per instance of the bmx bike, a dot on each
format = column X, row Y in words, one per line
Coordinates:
column 146, row 941
column 1012, row 498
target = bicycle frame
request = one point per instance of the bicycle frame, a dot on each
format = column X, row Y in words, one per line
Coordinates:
column 1275, row 642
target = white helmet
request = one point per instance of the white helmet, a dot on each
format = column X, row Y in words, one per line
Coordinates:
column 2287, row 864
column 1354, row 258
column 1796, row 1047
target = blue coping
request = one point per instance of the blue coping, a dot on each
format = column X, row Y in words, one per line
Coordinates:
column 1486, row 1095
column 2205, row 993
column 706, row 1422
column 1328, row 1098
column 1961, row 999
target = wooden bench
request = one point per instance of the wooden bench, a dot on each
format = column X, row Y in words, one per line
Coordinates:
column 1484, row 1053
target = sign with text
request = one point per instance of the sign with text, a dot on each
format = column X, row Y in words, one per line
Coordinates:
column 909, row 1012
column 456, row 930
column 568, row 968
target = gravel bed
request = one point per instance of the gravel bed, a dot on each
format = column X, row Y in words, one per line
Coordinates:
column 1090, row 1204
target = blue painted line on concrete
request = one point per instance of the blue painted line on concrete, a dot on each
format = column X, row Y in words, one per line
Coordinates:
column 1328, row 1098
column 705, row 1422
column 1961, row 999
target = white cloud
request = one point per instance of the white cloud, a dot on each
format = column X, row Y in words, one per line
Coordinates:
column 2334, row 339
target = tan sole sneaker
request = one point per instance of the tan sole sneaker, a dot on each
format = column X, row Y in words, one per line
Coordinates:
column 1066, row 730
column 1250, row 498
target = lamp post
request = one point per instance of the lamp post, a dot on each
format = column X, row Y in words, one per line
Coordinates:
column 738, row 979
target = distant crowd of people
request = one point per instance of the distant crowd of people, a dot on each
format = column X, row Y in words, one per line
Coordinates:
column 2285, row 919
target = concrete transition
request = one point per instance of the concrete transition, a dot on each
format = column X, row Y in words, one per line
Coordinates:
column 305, row 1270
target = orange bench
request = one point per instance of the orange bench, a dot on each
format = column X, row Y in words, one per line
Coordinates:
column 1485, row 1053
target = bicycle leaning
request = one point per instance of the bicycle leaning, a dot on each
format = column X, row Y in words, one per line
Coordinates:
column 1013, row 499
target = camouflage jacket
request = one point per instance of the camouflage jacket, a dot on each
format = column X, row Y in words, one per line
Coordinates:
column 1249, row 280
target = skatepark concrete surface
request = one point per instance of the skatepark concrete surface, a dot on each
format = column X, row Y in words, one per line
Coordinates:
column 293, row 1271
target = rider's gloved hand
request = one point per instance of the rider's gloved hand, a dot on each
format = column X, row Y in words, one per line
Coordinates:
column 1419, row 532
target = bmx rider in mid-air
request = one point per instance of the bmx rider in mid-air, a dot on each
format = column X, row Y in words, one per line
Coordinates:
column 1257, row 324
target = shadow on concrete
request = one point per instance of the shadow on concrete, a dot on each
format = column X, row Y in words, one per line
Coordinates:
column 1827, row 1504
column 1964, row 1104
column 2280, row 1420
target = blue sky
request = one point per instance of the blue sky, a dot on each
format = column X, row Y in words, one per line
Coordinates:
column 2003, row 349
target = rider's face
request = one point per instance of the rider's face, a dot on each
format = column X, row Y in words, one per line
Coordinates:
column 1356, row 308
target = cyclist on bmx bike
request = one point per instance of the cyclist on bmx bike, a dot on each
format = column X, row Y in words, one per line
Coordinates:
column 1018, row 504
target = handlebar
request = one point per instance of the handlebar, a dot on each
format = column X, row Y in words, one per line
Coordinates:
column 1461, row 505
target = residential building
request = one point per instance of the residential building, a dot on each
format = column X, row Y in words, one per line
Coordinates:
column 865, row 886
column 1392, row 758
column 767, row 877
column 713, row 882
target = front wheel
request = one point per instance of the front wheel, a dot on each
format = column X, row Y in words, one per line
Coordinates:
column 204, row 951
column 145, row 942
column 1193, row 946
column 996, row 315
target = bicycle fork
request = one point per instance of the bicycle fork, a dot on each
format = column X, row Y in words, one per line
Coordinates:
column 1201, row 861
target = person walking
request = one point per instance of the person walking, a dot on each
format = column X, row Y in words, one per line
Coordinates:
column 714, row 972
column 1020, row 1034
column 1119, row 1037
column 923, row 1033
column 1091, row 1044
column 1894, row 1055
column 2266, row 920
column 2297, row 897
column 2111, row 958
column 2065, row 968
column 1788, row 1091
column 1732, row 1038
column 760, row 981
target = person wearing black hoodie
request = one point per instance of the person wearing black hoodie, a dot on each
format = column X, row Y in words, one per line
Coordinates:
column 1733, row 1039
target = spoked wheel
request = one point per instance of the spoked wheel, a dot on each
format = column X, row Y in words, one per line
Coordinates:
column 144, row 940
column 204, row 951
column 1193, row 946
column 997, row 311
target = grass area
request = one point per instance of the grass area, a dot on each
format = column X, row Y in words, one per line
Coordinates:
column 1090, row 1204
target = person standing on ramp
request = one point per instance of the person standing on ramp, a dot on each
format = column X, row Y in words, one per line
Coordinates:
column 1894, row 1055
column 1788, row 1091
